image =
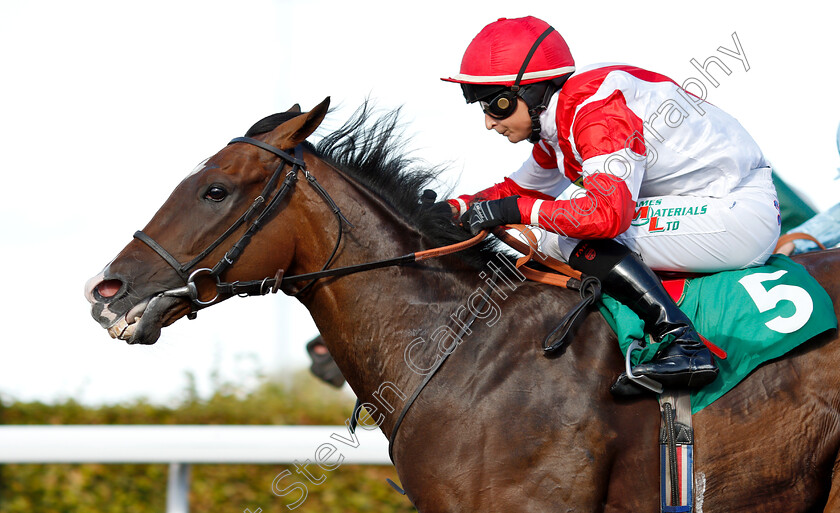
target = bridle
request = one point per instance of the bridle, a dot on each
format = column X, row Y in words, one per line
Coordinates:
column 260, row 210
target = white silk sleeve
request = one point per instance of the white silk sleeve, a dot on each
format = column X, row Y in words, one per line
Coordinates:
column 547, row 181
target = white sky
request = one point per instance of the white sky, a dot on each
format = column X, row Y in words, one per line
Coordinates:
column 106, row 106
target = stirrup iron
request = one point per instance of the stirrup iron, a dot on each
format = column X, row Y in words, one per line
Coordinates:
column 640, row 380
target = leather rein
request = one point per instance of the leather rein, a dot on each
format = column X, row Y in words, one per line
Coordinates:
column 263, row 207
column 260, row 211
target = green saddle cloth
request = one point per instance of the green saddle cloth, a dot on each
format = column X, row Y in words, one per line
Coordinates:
column 754, row 315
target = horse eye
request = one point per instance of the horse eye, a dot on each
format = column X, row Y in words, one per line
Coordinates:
column 215, row 193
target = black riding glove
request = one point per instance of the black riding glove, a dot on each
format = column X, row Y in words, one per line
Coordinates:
column 487, row 214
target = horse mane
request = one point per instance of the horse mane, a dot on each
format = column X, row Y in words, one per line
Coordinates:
column 372, row 151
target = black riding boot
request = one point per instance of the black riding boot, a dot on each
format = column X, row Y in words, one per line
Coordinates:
column 685, row 363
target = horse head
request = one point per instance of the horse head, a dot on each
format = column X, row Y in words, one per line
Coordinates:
column 168, row 269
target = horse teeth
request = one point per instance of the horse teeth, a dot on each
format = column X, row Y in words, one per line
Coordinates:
column 128, row 332
column 118, row 328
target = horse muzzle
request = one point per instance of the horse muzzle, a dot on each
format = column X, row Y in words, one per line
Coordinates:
column 126, row 315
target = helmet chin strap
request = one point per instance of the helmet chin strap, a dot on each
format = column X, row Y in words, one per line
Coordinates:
column 551, row 88
column 536, row 127
column 516, row 89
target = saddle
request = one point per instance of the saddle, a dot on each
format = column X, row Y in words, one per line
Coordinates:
column 756, row 315
column 676, row 439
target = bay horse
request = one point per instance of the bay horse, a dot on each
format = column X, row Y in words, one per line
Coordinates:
column 500, row 427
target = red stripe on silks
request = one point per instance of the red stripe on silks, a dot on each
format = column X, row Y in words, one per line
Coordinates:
column 544, row 155
column 577, row 90
column 502, row 190
column 605, row 211
column 608, row 126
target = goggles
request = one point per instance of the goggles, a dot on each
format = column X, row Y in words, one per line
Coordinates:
column 501, row 106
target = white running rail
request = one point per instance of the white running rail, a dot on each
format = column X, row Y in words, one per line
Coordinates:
column 180, row 446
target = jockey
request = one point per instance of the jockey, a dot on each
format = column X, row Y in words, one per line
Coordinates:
column 665, row 180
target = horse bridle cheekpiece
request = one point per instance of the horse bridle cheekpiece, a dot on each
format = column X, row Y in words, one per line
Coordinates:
column 262, row 287
column 262, row 208
column 273, row 284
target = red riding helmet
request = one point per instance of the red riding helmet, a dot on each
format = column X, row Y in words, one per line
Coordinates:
column 509, row 53
column 511, row 59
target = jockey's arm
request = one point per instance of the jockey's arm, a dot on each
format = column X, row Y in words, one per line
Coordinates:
column 532, row 180
column 603, row 210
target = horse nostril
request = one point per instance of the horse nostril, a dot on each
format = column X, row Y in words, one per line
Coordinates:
column 109, row 288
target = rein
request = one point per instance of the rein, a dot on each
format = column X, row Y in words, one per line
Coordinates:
column 268, row 206
column 273, row 284
column 790, row 237
column 465, row 328
column 264, row 286
column 262, row 208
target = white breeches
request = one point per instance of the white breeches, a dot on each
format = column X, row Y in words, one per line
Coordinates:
column 698, row 234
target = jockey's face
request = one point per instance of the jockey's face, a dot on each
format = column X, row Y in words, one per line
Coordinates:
column 516, row 127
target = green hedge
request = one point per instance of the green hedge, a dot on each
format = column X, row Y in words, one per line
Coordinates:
column 100, row 488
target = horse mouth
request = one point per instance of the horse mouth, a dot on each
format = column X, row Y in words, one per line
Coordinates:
column 143, row 323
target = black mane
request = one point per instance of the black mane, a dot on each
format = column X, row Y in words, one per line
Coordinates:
column 373, row 152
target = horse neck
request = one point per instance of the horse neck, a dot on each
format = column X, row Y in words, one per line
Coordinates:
column 368, row 319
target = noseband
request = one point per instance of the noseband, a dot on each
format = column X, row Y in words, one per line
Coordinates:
column 260, row 210
column 269, row 284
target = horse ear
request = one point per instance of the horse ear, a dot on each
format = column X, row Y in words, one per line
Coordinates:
column 296, row 130
column 295, row 108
